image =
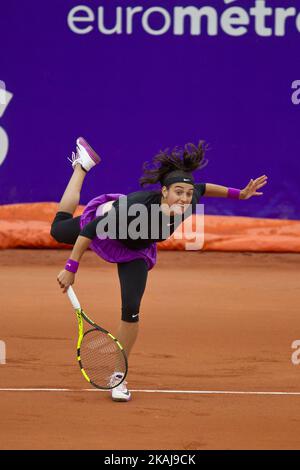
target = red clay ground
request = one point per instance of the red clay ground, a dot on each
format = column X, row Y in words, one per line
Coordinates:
column 210, row 321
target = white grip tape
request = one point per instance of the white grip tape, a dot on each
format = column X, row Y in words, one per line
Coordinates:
column 73, row 298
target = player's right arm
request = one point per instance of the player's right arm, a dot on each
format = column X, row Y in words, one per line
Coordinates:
column 66, row 278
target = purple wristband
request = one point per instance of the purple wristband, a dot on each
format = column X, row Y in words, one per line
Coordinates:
column 233, row 193
column 72, row 266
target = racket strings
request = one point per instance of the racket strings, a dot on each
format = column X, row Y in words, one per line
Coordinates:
column 101, row 358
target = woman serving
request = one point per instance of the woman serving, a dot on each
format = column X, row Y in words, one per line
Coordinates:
column 134, row 255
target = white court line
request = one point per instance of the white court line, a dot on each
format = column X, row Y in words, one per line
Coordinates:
column 189, row 392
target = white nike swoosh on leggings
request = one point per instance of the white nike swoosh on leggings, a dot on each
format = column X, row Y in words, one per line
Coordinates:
column 134, row 316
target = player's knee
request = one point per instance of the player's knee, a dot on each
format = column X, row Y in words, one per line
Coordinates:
column 131, row 314
column 55, row 233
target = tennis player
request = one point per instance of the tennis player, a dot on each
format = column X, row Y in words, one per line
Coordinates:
column 134, row 256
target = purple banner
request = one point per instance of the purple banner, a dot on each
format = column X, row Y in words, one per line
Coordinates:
column 135, row 77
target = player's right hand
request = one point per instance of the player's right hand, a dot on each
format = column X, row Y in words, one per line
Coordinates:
column 65, row 279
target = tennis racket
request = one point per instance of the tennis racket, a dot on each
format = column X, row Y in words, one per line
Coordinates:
column 101, row 357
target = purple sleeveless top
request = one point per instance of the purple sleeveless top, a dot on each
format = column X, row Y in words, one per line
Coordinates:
column 114, row 251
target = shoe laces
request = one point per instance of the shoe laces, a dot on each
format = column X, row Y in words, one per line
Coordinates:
column 74, row 157
column 122, row 387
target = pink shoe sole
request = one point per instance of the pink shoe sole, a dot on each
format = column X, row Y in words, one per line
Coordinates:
column 94, row 156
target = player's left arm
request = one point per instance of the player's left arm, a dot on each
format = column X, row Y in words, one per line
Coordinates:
column 215, row 190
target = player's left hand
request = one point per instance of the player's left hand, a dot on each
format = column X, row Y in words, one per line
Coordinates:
column 252, row 188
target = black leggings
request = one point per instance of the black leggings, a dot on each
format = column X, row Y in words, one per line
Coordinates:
column 132, row 275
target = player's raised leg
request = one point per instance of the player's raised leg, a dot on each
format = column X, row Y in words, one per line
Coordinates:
column 82, row 161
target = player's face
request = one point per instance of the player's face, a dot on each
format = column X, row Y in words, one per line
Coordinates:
column 179, row 196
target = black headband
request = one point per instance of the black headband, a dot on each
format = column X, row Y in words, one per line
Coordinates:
column 178, row 177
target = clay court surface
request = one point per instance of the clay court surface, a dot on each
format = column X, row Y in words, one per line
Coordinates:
column 210, row 322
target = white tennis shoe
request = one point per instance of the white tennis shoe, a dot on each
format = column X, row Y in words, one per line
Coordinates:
column 85, row 155
column 120, row 393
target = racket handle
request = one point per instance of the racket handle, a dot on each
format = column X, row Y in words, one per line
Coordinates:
column 73, row 299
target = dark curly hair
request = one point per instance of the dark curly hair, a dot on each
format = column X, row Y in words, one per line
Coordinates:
column 188, row 159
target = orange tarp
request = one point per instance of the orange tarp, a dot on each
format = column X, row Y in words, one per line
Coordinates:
column 28, row 226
